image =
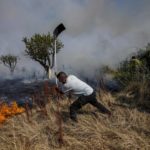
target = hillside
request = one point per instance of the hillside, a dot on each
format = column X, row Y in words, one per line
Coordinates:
column 126, row 129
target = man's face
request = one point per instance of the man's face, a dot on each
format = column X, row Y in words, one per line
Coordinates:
column 62, row 79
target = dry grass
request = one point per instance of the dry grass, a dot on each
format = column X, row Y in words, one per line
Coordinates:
column 136, row 94
column 126, row 129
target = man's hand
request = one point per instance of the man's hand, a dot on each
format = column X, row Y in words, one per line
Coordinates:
column 58, row 90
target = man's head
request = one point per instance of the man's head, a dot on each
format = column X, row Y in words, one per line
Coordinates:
column 62, row 77
column 133, row 57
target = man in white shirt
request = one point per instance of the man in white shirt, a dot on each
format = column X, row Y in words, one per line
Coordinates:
column 85, row 93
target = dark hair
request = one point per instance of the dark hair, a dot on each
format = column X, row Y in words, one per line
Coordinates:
column 133, row 57
column 61, row 73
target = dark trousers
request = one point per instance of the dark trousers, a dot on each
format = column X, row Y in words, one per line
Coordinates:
column 83, row 100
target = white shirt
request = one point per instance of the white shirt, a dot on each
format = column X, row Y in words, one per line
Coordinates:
column 77, row 86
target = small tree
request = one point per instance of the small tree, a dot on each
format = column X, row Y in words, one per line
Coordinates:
column 41, row 49
column 9, row 61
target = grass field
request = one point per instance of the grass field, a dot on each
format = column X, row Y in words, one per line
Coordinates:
column 126, row 129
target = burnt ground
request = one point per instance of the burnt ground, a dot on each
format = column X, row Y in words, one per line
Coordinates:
column 13, row 88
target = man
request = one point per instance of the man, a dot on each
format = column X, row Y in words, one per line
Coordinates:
column 135, row 63
column 85, row 94
column 135, row 66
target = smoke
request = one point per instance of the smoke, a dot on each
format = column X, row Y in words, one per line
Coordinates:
column 97, row 32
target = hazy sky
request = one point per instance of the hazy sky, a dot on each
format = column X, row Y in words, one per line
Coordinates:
column 97, row 31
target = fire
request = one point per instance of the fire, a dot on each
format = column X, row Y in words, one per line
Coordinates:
column 8, row 111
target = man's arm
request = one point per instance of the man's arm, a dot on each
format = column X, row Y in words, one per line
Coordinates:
column 63, row 92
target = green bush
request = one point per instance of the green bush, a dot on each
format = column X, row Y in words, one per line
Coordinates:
column 136, row 68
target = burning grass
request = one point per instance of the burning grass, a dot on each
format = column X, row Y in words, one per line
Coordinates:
column 8, row 111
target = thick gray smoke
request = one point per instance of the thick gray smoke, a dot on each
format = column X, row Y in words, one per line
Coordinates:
column 98, row 31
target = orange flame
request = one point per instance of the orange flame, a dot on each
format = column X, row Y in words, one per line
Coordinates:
column 8, row 111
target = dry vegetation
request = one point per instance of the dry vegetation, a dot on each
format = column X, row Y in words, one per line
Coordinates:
column 126, row 129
